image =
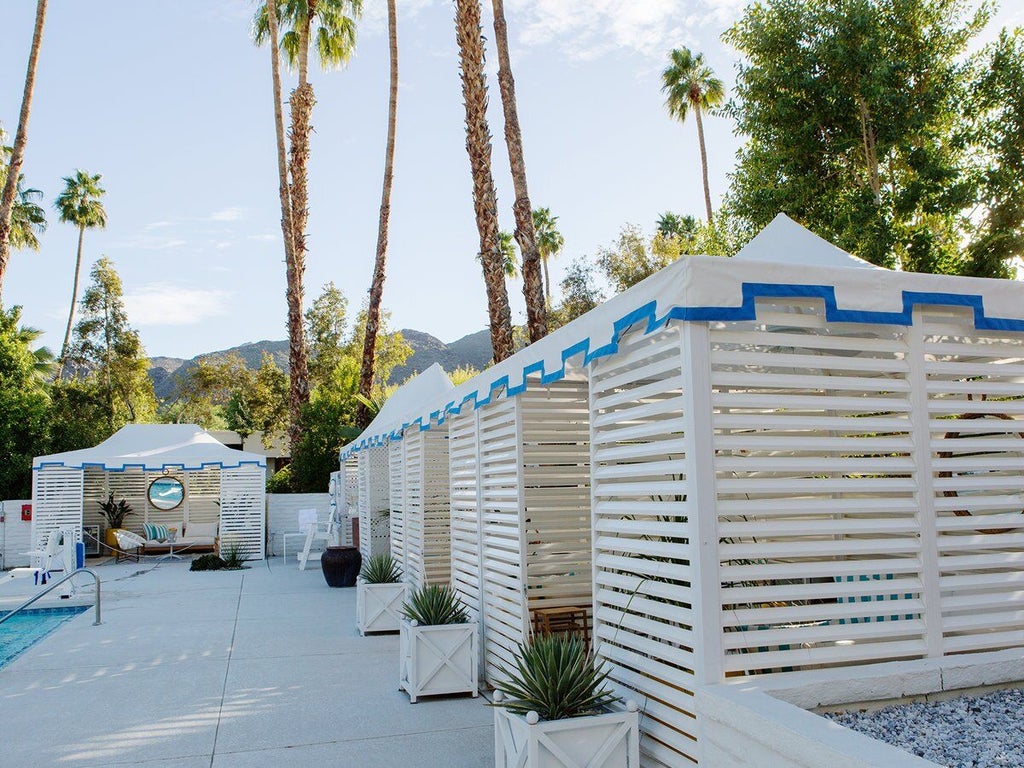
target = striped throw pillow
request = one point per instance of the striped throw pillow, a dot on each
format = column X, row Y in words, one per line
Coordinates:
column 155, row 532
column 149, row 530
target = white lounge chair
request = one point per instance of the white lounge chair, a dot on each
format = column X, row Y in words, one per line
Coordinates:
column 129, row 545
column 315, row 531
column 41, row 561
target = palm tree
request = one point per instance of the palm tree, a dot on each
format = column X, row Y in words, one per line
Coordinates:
column 363, row 415
column 533, row 291
column 335, row 37
column 549, row 241
column 673, row 225
column 689, row 82
column 10, row 192
column 79, row 204
column 469, row 36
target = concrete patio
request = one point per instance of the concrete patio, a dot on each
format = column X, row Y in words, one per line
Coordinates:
column 253, row 668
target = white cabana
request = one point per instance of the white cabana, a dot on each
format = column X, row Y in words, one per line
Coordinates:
column 220, row 484
column 797, row 460
column 382, row 510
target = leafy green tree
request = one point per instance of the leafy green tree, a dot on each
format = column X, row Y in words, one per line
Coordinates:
column 580, row 293
column 507, row 244
column 204, row 391
column 549, row 243
column 462, row 374
column 689, row 84
column 330, row 27
column 392, row 349
column 326, row 322
column 108, row 351
column 79, row 204
column 261, row 403
column 858, row 122
column 24, row 407
column 634, row 257
column 328, row 423
column 80, row 409
column 996, row 119
column 10, row 188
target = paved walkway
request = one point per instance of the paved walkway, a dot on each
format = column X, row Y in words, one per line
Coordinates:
column 244, row 669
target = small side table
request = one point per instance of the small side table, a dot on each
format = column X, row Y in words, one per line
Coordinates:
column 569, row 618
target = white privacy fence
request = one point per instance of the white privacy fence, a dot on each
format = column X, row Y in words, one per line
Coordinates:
column 420, row 500
column 373, row 501
column 788, row 493
column 520, row 512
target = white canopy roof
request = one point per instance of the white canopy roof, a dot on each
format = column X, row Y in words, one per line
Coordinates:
column 154, row 447
column 406, row 406
column 784, row 260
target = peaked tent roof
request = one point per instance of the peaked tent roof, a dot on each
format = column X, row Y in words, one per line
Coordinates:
column 154, row 447
column 405, row 404
column 783, row 261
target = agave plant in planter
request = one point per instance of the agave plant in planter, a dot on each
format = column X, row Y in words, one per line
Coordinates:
column 379, row 595
column 554, row 711
column 437, row 644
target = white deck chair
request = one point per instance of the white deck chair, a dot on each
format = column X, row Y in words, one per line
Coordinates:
column 315, row 531
column 41, row 561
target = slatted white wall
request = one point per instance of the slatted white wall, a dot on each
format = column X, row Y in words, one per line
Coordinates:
column 436, row 500
column 56, row 502
column 644, row 600
column 396, row 464
column 975, row 396
column 818, row 517
column 464, row 467
column 351, row 471
column 374, row 502
column 520, row 521
column 243, row 510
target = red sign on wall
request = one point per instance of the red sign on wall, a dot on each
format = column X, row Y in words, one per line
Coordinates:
column 26, row 512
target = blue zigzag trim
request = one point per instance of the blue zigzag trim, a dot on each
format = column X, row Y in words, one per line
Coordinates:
column 751, row 292
column 143, row 467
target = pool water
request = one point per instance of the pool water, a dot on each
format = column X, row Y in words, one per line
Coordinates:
column 29, row 627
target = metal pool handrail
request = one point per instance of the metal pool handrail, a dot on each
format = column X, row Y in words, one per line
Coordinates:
column 53, row 586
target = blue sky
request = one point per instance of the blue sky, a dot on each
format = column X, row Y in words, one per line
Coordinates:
column 171, row 103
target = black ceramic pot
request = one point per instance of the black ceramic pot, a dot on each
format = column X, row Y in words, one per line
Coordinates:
column 341, row 566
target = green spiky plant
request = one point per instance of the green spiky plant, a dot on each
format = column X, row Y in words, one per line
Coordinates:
column 233, row 556
column 556, row 677
column 380, row 569
column 435, row 604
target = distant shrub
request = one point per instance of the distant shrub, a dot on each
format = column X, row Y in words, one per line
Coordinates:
column 280, row 481
column 207, row 563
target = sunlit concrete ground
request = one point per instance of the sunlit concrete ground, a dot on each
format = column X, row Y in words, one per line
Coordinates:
column 244, row 669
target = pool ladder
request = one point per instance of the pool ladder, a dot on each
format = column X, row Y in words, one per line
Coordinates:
column 53, row 586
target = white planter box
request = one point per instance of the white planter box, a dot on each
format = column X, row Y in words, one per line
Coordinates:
column 608, row 740
column 437, row 659
column 379, row 606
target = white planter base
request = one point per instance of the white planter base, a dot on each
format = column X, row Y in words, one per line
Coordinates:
column 439, row 659
column 608, row 740
column 379, row 606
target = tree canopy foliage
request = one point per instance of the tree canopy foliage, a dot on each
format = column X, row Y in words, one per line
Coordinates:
column 867, row 121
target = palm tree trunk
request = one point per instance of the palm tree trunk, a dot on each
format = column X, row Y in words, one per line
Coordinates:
column 74, row 300
column 703, row 160
column 20, row 139
column 469, row 36
column 547, row 285
column 282, row 163
column 302, row 102
column 526, row 236
column 363, row 416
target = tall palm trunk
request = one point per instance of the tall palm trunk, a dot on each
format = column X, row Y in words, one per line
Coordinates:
column 363, row 415
column 547, row 284
column 302, row 102
column 526, row 236
column 703, row 160
column 284, row 192
column 469, row 35
column 20, row 139
column 74, row 301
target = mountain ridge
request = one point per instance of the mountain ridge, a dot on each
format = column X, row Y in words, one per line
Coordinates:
column 473, row 349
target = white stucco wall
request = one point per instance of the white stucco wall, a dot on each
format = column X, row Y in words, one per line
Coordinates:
column 15, row 534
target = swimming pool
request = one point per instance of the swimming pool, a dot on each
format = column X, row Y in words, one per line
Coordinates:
column 29, row 627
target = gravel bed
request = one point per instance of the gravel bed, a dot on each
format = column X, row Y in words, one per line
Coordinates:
column 965, row 732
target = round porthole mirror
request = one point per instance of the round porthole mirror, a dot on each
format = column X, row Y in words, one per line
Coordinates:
column 166, row 493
